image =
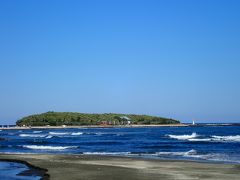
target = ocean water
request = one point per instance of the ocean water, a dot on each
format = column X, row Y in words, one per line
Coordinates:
column 201, row 143
column 10, row 171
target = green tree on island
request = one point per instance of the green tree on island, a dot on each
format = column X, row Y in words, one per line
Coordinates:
column 78, row 119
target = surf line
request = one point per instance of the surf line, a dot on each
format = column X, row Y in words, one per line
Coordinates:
column 34, row 170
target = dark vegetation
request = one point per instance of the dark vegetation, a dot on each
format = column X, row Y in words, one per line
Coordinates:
column 78, row 119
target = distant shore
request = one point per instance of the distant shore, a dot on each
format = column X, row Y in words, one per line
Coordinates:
column 86, row 167
column 93, row 126
column 115, row 126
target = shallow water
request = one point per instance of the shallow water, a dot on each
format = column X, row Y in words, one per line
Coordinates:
column 10, row 171
column 207, row 143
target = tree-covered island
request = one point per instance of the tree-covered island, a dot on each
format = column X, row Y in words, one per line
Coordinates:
column 80, row 119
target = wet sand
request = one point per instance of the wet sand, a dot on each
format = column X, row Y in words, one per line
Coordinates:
column 85, row 167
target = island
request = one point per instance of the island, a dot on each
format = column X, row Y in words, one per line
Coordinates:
column 83, row 119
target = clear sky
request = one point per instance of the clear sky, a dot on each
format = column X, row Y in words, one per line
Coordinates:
column 177, row 59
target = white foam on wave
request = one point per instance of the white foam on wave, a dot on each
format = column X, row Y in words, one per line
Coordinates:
column 226, row 138
column 32, row 135
column 219, row 157
column 184, row 137
column 191, row 152
column 49, row 137
column 48, row 147
column 58, row 133
column 101, row 133
column 200, row 140
column 235, row 138
column 37, row 131
column 76, row 133
column 106, row 153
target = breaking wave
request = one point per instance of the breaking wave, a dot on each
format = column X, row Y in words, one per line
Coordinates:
column 49, row 137
column 76, row 133
column 227, row 138
column 191, row 152
column 48, row 147
column 194, row 154
column 107, row 153
column 200, row 140
column 188, row 154
column 37, row 131
column 58, row 133
column 217, row 139
column 32, row 135
column 183, row 137
column 194, row 137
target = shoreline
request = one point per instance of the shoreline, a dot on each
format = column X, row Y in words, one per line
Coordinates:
column 92, row 126
column 91, row 167
column 32, row 169
column 116, row 126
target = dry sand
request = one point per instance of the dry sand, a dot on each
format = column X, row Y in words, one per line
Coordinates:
column 84, row 167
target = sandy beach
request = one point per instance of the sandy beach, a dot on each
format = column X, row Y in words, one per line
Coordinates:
column 84, row 167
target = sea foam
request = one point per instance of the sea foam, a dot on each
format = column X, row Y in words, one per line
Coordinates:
column 235, row 138
column 200, row 140
column 187, row 153
column 76, row 133
column 226, row 138
column 32, row 135
column 48, row 147
column 107, row 153
column 49, row 137
column 184, row 137
column 37, row 131
column 58, row 133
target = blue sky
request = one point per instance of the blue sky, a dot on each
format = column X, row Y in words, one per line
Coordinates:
column 177, row 59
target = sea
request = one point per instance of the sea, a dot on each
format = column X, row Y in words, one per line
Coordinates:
column 12, row 171
column 218, row 144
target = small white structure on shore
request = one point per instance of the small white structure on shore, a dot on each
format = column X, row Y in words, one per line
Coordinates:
column 193, row 122
column 125, row 118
